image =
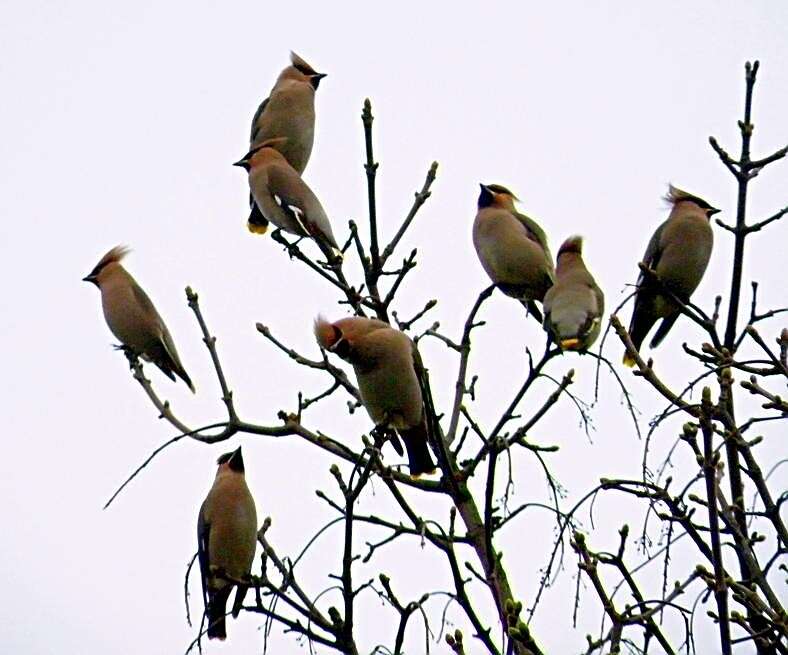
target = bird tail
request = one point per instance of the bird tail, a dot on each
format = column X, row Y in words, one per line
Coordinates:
column 257, row 223
column 217, row 608
column 663, row 329
column 164, row 355
column 240, row 593
column 533, row 310
column 639, row 327
column 183, row 375
column 571, row 344
column 419, row 457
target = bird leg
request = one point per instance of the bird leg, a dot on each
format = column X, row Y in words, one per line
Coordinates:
column 129, row 353
column 383, row 433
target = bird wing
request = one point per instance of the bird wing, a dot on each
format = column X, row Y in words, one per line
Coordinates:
column 433, row 427
column 292, row 210
column 653, row 252
column 203, row 532
column 535, row 233
column 146, row 305
column 301, row 204
column 164, row 334
column 255, row 130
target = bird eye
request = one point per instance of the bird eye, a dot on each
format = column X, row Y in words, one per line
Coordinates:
column 341, row 348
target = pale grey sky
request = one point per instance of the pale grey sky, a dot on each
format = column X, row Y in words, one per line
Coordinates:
column 120, row 122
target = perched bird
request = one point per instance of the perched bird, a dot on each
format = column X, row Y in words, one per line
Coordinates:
column 512, row 248
column 678, row 252
column 226, row 540
column 288, row 111
column 388, row 372
column 132, row 317
column 574, row 305
column 283, row 197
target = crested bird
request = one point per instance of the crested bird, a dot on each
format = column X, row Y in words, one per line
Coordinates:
column 132, row 318
column 678, row 252
column 226, row 541
column 390, row 379
column 512, row 248
column 288, row 111
column 284, row 198
column 574, row 305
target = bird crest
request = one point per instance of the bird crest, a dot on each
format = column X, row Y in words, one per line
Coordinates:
column 676, row 195
column 112, row 257
column 326, row 333
column 301, row 65
column 572, row 244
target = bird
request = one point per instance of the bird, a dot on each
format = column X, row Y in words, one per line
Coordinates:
column 678, row 252
column 226, row 540
column 390, row 379
column 284, row 198
column 288, row 111
column 132, row 318
column 574, row 305
column 512, row 248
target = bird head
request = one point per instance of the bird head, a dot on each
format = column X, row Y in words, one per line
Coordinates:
column 105, row 265
column 676, row 195
column 302, row 70
column 572, row 244
column 252, row 157
column 495, row 195
column 233, row 461
column 330, row 337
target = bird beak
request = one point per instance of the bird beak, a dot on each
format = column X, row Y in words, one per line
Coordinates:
column 319, row 76
column 241, row 162
column 712, row 211
column 483, row 186
column 90, row 278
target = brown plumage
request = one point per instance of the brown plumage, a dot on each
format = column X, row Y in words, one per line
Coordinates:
column 679, row 252
column 388, row 373
column 288, row 111
column 132, row 318
column 284, row 198
column 226, row 540
column 574, row 305
column 512, row 248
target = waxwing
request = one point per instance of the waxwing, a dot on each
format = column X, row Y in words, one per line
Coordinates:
column 512, row 248
column 288, row 111
column 284, row 198
column 574, row 305
column 388, row 372
column 678, row 252
column 226, row 541
column 132, row 318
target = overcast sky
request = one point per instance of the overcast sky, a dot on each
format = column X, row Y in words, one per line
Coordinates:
column 119, row 123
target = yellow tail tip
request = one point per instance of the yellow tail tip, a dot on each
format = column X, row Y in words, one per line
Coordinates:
column 629, row 360
column 257, row 228
column 417, row 476
column 571, row 344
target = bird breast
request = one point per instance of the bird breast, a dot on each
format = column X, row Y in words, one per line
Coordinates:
column 506, row 252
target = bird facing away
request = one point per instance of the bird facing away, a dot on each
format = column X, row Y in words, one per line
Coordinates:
column 574, row 305
column 283, row 197
column 678, row 252
column 288, row 111
column 387, row 369
column 226, row 540
column 512, row 248
column 132, row 318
